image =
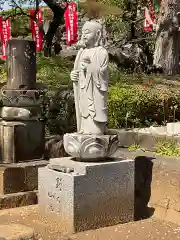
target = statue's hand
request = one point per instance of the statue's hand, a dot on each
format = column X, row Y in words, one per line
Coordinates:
column 84, row 64
column 74, row 75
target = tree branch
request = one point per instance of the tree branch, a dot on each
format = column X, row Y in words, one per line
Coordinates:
column 22, row 12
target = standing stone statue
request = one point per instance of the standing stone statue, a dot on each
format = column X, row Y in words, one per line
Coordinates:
column 90, row 82
column 90, row 77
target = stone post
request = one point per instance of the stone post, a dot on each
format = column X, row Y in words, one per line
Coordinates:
column 21, row 64
column 21, row 131
column 22, row 137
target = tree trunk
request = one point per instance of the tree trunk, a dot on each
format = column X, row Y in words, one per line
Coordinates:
column 58, row 18
column 167, row 45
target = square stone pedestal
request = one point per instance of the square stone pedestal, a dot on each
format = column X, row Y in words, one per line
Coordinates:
column 19, row 183
column 21, row 141
column 87, row 195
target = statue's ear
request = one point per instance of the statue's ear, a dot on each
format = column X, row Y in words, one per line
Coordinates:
column 99, row 36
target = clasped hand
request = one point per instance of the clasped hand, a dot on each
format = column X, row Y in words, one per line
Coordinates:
column 83, row 66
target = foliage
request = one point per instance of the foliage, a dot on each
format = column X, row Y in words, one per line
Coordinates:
column 60, row 111
column 168, row 148
column 19, row 25
column 134, row 100
column 128, row 26
column 139, row 102
column 57, row 7
column 134, row 147
column 164, row 147
column 54, row 72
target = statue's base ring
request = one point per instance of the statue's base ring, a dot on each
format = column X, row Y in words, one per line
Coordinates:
column 85, row 147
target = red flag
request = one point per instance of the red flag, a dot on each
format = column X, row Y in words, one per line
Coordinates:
column 71, row 22
column 5, row 30
column 149, row 19
column 37, row 35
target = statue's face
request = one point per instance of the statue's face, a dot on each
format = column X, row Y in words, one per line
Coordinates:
column 89, row 35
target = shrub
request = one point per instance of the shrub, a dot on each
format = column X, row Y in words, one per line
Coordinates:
column 139, row 104
column 59, row 110
column 134, row 100
column 54, row 72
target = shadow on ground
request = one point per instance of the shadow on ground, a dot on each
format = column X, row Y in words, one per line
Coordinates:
column 143, row 179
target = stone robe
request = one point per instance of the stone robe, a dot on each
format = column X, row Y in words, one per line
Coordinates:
column 93, row 84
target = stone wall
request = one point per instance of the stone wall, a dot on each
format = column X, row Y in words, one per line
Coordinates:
column 157, row 185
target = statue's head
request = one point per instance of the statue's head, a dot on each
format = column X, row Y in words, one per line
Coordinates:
column 91, row 34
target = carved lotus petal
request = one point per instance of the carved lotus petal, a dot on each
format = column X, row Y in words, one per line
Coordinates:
column 113, row 145
column 72, row 146
column 94, row 148
column 90, row 147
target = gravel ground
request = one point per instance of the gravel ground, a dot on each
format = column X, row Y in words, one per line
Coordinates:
column 49, row 229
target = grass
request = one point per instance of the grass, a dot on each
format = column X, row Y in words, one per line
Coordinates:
column 164, row 147
column 168, row 148
column 134, row 147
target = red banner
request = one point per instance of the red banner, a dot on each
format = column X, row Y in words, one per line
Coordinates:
column 149, row 19
column 5, row 33
column 71, row 22
column 37, row 35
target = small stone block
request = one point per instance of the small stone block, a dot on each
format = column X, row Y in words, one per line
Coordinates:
column 16, row 232
column 93, row 195
column 21, row 141
column 18, row 199
column 19, row 177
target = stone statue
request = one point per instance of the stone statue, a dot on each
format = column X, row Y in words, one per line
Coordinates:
column 92, row 142
column 90, row 80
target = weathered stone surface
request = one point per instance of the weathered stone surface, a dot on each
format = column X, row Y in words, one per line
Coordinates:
column 19, row 177
column 91, row 195
column 126, row 138
column 173, row 128
column 143, row 138
column 91, row 99
column 54, row 147
column 85, row 147
column 163, row 180
column 21, row 141
column 21, row 64
column 16, row 232
column 20, row 199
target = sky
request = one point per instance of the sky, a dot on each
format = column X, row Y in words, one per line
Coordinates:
column 6, row 6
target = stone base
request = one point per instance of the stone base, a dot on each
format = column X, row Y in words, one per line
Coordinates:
column 87, row 195
column 21, row 141
column 87, row 147
column 19, row 177
column 20, row 199
column 19, row 184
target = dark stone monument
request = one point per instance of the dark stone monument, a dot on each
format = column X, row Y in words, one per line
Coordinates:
column 22, row 136
column 21, row 131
